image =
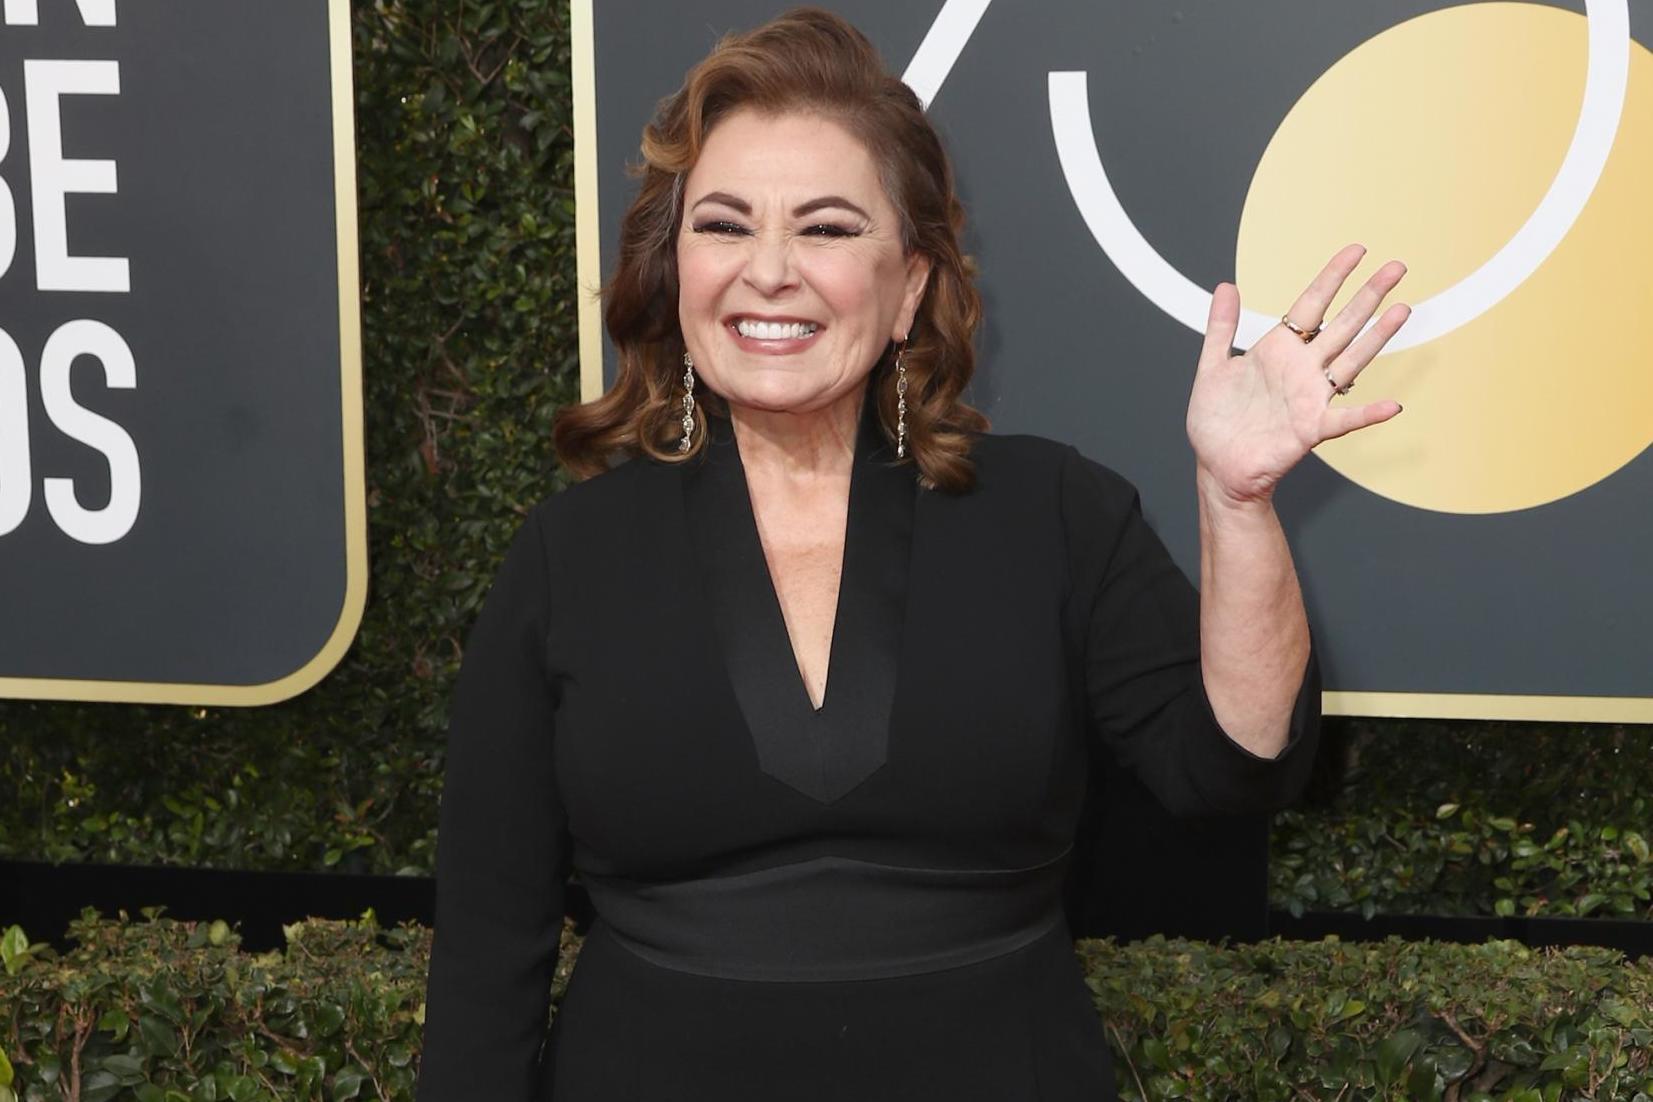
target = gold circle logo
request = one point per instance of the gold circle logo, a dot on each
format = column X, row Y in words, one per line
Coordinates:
column 1433, row 142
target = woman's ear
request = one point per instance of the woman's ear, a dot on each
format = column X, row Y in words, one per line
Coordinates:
column 918, row 278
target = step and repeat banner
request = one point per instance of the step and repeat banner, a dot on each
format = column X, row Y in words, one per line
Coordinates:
column 1483, row 555
column 182, row 515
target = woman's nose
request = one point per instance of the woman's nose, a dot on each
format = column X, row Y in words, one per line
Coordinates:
column 769, row 263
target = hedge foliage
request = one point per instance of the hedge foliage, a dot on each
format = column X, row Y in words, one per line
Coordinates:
column 165, row 1011
column 465, row 163
column 1479, row 819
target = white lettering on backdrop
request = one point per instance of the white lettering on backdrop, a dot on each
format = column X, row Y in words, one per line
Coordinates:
column 52, row 178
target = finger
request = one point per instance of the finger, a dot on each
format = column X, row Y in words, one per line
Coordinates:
column 1310, row 308
column 1339, row 421
column 1348, row 366
column 1343, row 328
column 1221, row 325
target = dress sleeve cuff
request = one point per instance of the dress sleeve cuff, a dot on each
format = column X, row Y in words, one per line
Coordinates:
column 1241, row 781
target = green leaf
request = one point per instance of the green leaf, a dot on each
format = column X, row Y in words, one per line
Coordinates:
column 1393, row 1054
column 329, row 1019
column 116, row 1022
column 162, row 1002
column 99, row 1086
column 126, row 1070
column 1424, row 1083
column 1625, row 1014
column 347, row 1083
column 241, row 1088
column 158, row 1036
column 14, row 949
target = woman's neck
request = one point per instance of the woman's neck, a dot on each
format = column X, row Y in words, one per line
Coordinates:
column 787, row 446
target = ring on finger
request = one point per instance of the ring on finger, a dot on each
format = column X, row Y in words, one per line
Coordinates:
column 1344, row 389
column 1304, row 335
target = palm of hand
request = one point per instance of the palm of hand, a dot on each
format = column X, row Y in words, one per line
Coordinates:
column 1253, row 417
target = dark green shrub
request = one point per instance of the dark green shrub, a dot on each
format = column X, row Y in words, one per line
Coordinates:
column 165, row 1011
column 1476, row 819
column 1391, row 1020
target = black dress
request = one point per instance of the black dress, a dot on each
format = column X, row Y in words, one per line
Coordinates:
column 860, row 902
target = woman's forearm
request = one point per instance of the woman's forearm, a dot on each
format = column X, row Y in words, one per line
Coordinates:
column 1254, row 635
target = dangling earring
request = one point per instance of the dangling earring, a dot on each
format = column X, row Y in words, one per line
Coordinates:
column 901, row 401
column 688, row 402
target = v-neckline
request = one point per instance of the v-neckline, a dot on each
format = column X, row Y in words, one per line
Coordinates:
column 862, row 448
column 825, row 751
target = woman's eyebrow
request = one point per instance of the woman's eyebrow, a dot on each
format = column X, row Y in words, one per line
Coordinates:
column 828, row 201
column 723, row 198
column 736, row 203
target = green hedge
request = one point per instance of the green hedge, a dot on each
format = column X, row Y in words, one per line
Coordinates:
column 165, row 1011
column 1475, row 819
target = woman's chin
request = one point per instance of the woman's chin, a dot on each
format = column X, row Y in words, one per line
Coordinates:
column 780, row 392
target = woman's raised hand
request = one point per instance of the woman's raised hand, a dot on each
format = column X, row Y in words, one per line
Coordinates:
column 1252, row 417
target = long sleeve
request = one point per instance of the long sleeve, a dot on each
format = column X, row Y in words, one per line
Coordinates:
column 501, row 852
column 1146, row 699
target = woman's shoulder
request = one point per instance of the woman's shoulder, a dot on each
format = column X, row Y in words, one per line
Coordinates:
column 608, row 491
column 1050, row 485
column 583, row 510
column 1018, row 462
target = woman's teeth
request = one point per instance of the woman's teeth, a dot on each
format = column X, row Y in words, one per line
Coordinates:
column 775, row 330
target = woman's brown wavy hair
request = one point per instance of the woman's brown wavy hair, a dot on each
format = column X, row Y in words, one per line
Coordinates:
column 811, row 61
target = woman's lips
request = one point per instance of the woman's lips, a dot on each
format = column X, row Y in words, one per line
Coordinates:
column 782, row 346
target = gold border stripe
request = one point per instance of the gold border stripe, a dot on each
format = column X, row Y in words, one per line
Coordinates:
column 587, row 239
column 1548, row 709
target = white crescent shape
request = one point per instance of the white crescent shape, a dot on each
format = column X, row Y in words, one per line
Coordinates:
column 1459, row 304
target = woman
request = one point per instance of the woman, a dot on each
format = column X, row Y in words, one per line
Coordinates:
column 804, row 686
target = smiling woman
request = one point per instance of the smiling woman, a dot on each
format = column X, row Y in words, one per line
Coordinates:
column 787, row 296
column 807, row 689
column 790, row 178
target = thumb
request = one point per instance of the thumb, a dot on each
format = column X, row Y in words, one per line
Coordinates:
column 1220, row 325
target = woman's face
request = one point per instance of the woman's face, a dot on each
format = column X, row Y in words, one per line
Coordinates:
column 790, row 266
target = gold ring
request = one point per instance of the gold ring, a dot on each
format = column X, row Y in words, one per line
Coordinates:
column 1304, row 335
column 1344, row 389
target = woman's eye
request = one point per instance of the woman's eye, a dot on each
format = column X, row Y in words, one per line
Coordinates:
column 719, row 228
column 827, row 229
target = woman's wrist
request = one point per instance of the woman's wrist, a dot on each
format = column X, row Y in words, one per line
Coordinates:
column 1220, row 505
